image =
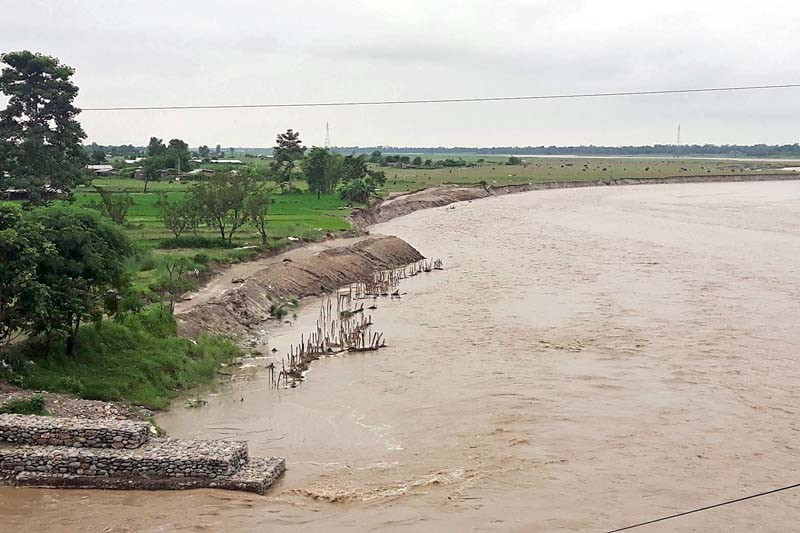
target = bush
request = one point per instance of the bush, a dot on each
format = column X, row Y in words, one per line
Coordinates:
column 25, row 406
column 193, row 241
column 148, row 261
column 278, row 311
column 202, row 259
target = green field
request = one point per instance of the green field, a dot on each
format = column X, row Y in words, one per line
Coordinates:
column 539, row 169
column 302, row 215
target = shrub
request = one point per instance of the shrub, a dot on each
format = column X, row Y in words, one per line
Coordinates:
column 278, row 311
column 25, row 406
column 193, row 241
column 202, row 259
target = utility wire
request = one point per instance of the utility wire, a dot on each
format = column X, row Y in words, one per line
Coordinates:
column 684, row 513
column 447, row 100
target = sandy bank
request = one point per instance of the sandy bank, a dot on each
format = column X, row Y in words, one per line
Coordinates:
column 445, row 195
column 230, row 306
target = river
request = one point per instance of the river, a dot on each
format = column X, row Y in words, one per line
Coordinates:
column 588, row 359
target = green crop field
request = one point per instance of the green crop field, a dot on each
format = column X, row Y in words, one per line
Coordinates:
column 302, row 215
column 539, row 169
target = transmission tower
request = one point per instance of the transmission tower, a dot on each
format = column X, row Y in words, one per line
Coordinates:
column 327, row 135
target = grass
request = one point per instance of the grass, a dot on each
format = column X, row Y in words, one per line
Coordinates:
column 541, row 169
column 25, row 406
column 139, row 360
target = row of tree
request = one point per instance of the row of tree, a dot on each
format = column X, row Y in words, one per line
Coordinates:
column 225, row 202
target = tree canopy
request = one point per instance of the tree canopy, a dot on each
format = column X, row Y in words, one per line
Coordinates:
column 288, row 149
column 322, row 169
column 358, row 182
column 62, row 266
column 41, row 148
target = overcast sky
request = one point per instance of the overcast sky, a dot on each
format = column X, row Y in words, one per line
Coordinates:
column 239, row 52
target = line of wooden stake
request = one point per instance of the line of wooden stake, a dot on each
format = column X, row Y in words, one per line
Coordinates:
column 343, row 326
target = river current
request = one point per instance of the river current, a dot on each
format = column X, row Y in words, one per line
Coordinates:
column 587, row 359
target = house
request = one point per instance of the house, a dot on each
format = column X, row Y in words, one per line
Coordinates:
column 227, row 161
column 101, row 170
column 22, row 194
column 199, row 172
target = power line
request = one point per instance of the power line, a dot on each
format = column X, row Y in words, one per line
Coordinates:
column 447, row 100
column 706, row 508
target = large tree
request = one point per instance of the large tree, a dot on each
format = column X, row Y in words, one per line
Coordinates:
column 160, row 157
column 155, row 147
column 322, row 169
column 85, row 268
column 288, row 149
column 179, row 155
column 41, row 147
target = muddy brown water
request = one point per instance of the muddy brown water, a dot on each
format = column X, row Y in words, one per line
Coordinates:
column 588, row 359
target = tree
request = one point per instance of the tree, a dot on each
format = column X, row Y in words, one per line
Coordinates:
column 359, row 183
column 220, row 200
column 514, row 161
column 98, row 157
column 318, row 169
column 204, row 152
column 151, row 169
column 218, row 150
column 177, row 155
column 417, row 161
column 87, row 264
column 40, row 139
column 23, row 297
column 113, row 206
column 289, row 148
column 178, row 216
column 375, row 156
column 155, row 147
column 161, row 157
column 256, row 205
column 174, row 284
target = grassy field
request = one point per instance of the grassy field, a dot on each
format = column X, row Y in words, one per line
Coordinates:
column 539, row 169
column 297, row 215
column 302, row 215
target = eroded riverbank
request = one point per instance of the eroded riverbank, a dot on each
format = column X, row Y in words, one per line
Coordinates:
column 587, row 359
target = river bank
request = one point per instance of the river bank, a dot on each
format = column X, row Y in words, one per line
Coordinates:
column 584, row 342
column 430, row 197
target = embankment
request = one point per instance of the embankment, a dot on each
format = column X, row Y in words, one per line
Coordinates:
column 445, row 195
column 242, row 296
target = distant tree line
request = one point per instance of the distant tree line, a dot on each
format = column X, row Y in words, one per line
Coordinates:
column 755, row 150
